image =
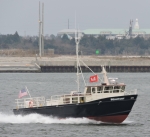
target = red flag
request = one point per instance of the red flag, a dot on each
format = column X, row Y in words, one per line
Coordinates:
column 94, row 78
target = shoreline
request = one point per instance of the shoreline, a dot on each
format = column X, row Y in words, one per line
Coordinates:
column 67, row 63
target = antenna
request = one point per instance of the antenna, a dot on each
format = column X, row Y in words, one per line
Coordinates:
column 75, row 25
column 39, row 32
column 42, row 28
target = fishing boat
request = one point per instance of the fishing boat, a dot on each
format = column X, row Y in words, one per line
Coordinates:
column 103, row 99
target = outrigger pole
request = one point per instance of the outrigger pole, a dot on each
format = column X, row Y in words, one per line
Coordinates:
column 28, row 91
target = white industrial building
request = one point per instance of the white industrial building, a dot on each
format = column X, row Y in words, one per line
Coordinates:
column 132, row 31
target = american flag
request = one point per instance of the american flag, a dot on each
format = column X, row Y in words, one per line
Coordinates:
column 22, row 92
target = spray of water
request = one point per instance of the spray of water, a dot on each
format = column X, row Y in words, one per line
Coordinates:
column 36, row 118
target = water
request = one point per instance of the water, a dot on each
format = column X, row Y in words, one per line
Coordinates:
column 137, row 124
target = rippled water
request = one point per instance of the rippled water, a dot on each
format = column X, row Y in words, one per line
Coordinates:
column 46, row 84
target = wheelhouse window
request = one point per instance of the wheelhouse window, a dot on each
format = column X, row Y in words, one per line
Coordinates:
column 106, row 89
column 93, row 89
column 66, row 100
column 75, row 100
column 116, row 89
column 88, row 90
column 99, row 89
column 122, row 88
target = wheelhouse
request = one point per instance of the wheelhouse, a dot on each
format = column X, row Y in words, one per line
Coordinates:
column 119, row 88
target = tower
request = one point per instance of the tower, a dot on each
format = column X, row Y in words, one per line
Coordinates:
column 136, row 26
column 130, row 28
column 41, row 31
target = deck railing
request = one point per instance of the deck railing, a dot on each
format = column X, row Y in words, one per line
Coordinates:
column 65, row 99
column 30, row 102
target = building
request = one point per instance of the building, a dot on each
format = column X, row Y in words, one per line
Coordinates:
column 111, row 33
column 69, row 32
column 120, row 33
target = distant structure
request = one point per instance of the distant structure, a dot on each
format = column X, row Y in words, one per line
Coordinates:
column 41, row 31
column 69, row 32
column 136, row 26
column 130, row 28
column 129, row 34
column 120, row 33
column 111, row 33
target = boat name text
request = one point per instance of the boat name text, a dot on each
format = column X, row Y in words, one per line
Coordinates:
column 112, row 99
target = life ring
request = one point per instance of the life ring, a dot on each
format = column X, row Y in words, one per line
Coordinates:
column 30, row 103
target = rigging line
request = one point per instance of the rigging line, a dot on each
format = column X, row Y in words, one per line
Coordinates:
column 82, row 73
column 90, row 69
column 28, row 91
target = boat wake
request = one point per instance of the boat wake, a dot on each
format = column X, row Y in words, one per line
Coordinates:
column 36, row 118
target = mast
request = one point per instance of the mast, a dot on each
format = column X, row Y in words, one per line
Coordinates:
column 39, row 32
column 77, row 56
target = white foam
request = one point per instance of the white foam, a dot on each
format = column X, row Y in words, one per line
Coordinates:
column 127, row 121
column 36, row 118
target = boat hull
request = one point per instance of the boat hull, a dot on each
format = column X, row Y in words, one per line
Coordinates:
column 111, row 110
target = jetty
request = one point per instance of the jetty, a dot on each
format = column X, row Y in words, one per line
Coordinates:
column 67, row 64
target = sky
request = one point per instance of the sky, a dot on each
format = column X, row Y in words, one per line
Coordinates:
column 23, row 15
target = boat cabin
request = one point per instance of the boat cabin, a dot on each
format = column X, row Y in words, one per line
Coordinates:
column 120, row 88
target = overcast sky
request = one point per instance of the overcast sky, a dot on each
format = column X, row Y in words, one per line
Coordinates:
column 22, row 15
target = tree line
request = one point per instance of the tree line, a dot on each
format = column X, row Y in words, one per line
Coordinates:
column 88, row 44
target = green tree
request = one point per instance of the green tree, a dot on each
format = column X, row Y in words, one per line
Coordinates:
column 16, row 37
column 65, row 38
